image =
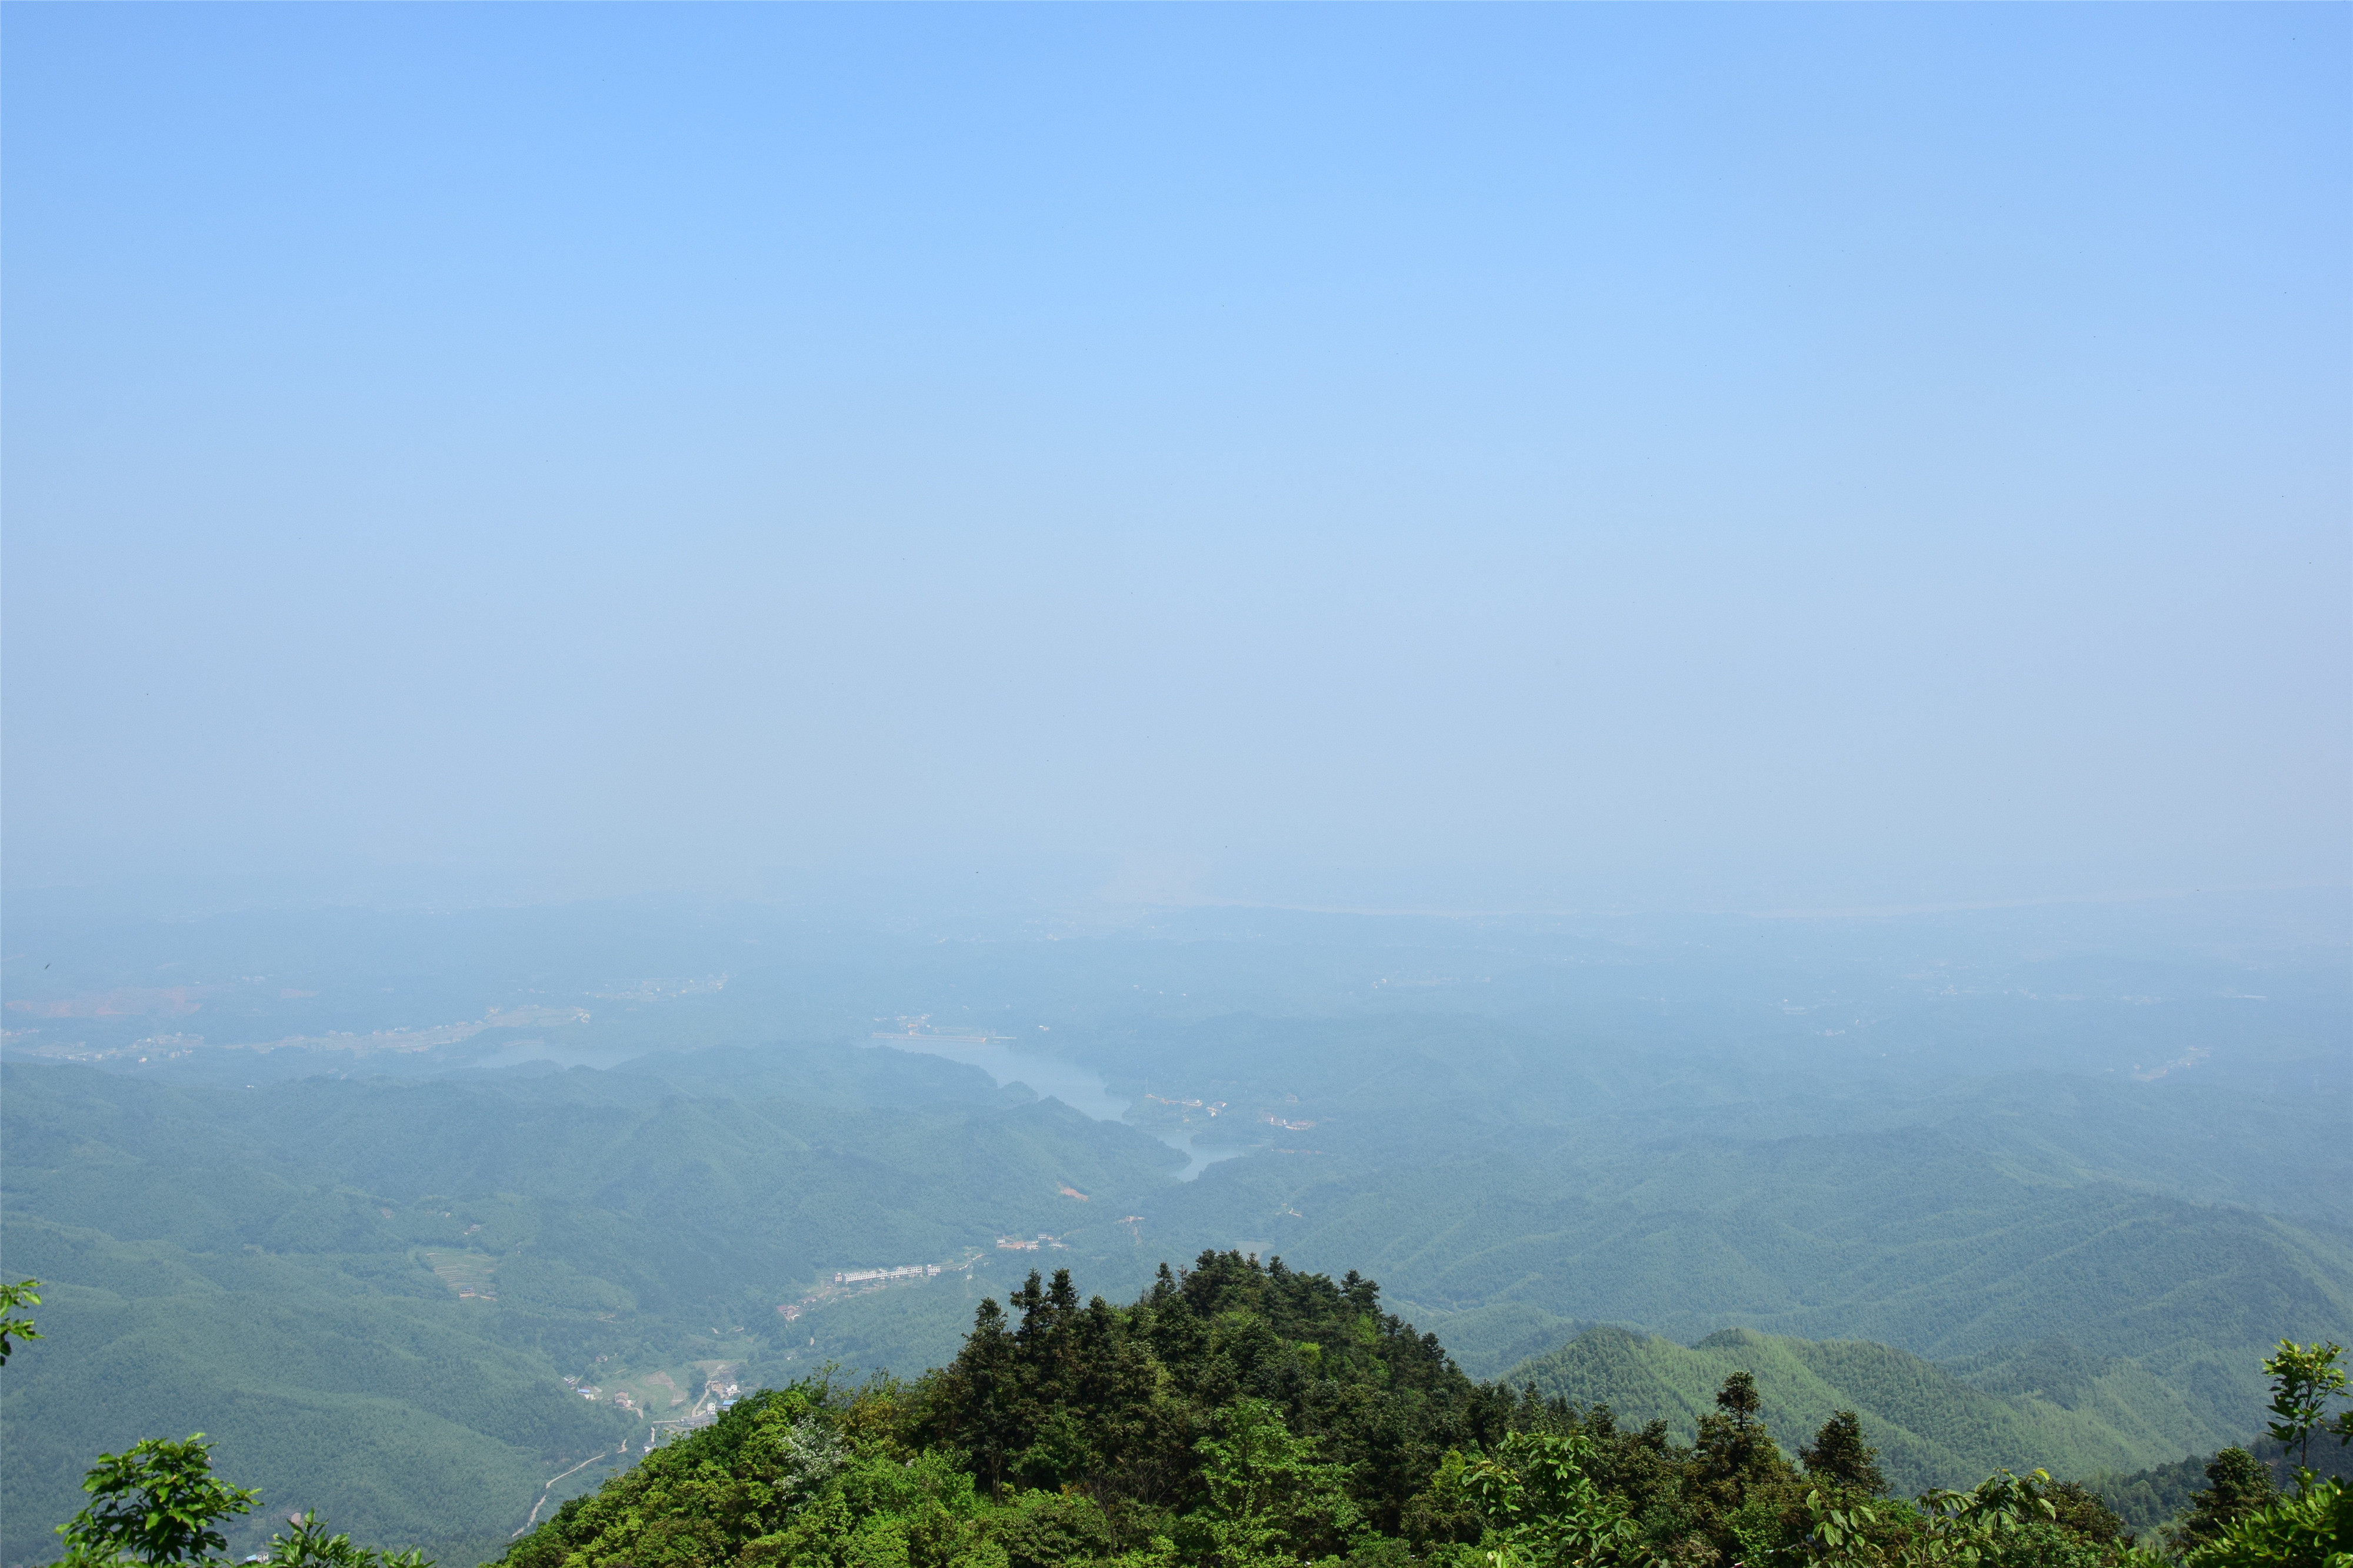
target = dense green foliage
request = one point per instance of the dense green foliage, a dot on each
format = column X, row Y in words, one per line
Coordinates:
column 2199, row 1503
column 307, row 1543
column 1241, row 1415
column 2312, row 1529
column 1911, row 1134
column 23, row 1293
column 156, row 1502
column 2236, row 1486
column 2164, row 1494
column 1117, row 1402
column 2306, row 1381
column 202, row 1274
column 393, row 1402
column 2159, row 1494
column 2243, row 1528
column 280, row 1290
column 1931, row 1428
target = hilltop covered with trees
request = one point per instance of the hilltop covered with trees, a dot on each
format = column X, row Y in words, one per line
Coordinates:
column 1241, row 1415
column 1247, row 1416
column 379, row 1292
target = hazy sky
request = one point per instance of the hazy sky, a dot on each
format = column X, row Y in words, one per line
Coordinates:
column 1444, row 456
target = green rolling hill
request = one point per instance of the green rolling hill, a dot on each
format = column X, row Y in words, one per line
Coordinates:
column 2065, row 1411
column 370, row 1293
column 386, row 1394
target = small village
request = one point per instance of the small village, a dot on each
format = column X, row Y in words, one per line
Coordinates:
column 846, row 1282
column 1030, row 1244
column 722, row 1386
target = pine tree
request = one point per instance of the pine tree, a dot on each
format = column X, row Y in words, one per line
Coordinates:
column 1839, row 1454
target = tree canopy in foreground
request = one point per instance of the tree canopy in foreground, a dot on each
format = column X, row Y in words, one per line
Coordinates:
column 1246, row 1415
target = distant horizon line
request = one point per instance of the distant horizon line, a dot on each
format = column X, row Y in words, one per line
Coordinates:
column 97, row 902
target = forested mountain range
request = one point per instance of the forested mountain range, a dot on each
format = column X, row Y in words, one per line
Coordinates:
column 1240, row 1413
column 235, row 1278
column 226, row 1270
column 2075, row 1414
column 1522, row 1134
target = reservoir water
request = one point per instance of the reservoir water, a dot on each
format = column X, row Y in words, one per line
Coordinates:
column 1082, row 1089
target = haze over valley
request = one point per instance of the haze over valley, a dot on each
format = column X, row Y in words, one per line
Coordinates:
column 1175, row 786
column 431, row 1176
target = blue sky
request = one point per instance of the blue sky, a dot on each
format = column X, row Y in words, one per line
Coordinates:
column 1441, row 456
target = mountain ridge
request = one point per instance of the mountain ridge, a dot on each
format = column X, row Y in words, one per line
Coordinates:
column 1933, row 1429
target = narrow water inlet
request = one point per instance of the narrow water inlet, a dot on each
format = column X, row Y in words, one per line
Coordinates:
column 1082, row 1089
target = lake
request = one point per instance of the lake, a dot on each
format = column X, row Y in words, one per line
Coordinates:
column 1082, row 1089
